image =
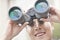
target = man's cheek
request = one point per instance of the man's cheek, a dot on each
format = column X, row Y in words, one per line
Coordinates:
column 49, row 26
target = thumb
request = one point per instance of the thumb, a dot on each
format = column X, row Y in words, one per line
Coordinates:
column 45, row 20
column 26, row 23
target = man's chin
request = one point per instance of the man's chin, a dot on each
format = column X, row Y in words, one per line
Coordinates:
column 44, row 37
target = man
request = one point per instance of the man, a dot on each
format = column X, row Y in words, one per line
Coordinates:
column 38, row 31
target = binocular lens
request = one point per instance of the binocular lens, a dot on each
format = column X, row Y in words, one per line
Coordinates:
column 41, row 7
column 15, row 14
column 40, row 10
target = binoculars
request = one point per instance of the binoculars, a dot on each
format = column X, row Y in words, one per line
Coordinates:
column 40, row 10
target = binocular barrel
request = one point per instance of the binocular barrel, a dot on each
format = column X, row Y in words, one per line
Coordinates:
column 16, row 15
column 40, row 10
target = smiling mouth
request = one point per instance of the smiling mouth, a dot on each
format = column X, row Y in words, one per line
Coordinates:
column 40, row 34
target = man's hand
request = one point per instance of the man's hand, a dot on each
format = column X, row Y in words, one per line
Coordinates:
column 14, row 29
column 54, row 15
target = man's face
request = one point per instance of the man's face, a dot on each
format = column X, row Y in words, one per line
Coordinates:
column 40, row 31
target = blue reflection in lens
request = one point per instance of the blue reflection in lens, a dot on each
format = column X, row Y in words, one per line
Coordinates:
column 41, row 7
column 15, row 14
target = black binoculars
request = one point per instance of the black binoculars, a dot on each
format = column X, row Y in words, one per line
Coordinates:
column 40, row 10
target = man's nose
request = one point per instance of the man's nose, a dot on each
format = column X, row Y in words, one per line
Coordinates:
column 36, row 24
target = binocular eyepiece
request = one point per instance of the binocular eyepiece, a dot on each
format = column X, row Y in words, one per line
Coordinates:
column 40, row 10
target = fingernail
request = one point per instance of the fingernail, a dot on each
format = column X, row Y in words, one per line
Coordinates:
column 27, row 22
column 41, row 19
column 20, row 24
column 34, row 20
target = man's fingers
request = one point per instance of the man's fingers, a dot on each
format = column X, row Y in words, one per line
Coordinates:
column 26, row 23
column 12, row 23
column 52, row 11
column 45, row 20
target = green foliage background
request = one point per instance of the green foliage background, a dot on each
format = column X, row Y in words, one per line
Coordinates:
column 56, row 31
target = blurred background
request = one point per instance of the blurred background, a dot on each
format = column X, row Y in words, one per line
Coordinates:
column 5, row 5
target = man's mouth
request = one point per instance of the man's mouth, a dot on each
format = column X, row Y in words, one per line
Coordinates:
column 40, row 34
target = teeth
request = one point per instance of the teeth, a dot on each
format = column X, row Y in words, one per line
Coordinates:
column 39, row 34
